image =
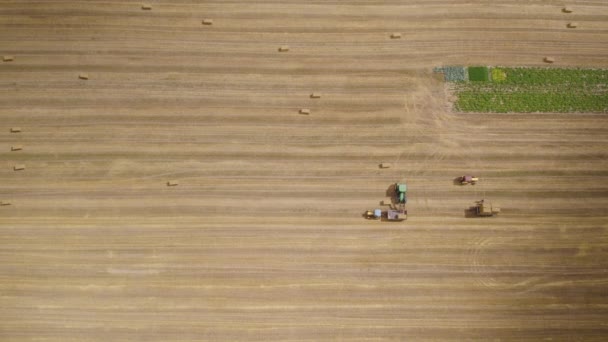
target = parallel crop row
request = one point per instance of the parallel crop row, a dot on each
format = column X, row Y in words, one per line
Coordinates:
column 527, row 90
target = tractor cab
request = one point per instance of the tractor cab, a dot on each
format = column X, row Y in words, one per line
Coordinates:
column 375, row 214
column 401, row 190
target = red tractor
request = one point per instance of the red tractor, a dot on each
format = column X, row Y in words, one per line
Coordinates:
column 468, row 179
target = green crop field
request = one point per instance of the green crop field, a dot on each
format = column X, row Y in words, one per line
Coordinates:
column 525, row 90
column 478, row 74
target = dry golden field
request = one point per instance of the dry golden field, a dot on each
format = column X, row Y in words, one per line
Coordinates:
column 263, row 239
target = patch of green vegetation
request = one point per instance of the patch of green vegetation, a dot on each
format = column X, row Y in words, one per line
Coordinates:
column 478, row 73
column 498, row 75
column 453, row 73
column 524, row 102
column 525, row 90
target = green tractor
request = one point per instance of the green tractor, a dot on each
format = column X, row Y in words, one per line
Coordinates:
column 401, row 191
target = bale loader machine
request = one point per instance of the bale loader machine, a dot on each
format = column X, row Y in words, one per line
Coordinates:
column 485, row 209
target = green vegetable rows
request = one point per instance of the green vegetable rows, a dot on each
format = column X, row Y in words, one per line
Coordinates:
column 527, row 90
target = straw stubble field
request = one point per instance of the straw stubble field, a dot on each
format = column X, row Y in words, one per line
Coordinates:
column 263, row 239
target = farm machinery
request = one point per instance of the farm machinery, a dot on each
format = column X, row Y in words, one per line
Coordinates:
column 395, row 213
column 401, row 192
column 468, row 179
column 375, row 214
column 485, row 209
column 387, row 215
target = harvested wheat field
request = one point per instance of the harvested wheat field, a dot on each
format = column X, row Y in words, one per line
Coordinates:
column 175, row 192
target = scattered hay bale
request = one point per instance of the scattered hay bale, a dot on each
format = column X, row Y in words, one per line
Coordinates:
column 8, row 58
column 549, row 59
column 567, row 9
column 305, row 111
column 83, row 76
column 15, row 129
column 19, row 167
column 207, row 21
column 284, row 48
column 572, row 25
column 385, row 165
column 146, row 7
column 172, row 183
column 16, row 147
column 4, row 203
column 396, row 35
column 315, row 96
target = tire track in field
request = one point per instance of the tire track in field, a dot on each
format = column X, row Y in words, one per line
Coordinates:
column 511, row 274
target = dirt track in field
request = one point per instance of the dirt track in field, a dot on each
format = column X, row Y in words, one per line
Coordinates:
column 263, row 239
